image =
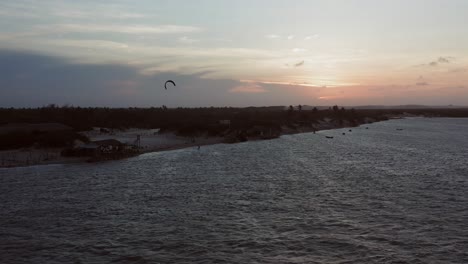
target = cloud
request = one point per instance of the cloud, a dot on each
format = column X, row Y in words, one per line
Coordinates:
column 422, row 83
column 311, row 37
column 17, row 14
column 67, row 9
column 290, row 37
column 299, row 84
column 458, row 70
column 115, row 28
column 35, row 80
column 327, row 97
column 272, row 36
column 187, row 40
column 74, row 13
column 453, row 88
column 299, row 64
column 90, row 44
column 123, row 83
column 248, row 88
column 298, row 50
column 441, row 60
column 185, row 59
column 32, row 80
column 444, row 60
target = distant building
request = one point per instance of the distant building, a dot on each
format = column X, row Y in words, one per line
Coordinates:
column 97, row 147
column 104, row 130
column 109, row 145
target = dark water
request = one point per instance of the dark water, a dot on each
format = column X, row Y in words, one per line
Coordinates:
column 374, row 195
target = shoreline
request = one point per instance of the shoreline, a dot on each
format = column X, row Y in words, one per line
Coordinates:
column 167, row 146
column 59, row 160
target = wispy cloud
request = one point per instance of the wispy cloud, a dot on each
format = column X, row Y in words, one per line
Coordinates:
column 272, row 36
column 154, row 51
column 17, row 14
column 18, row 9
column 311, row 37
column 89, row 44
column 280, row 83
column 421, row 82
column 299, row 64
column 453, row 88
column 187, row 40
column 68, row 10
column 290, row 37
column 327, row 97
column 441, row 60
column 458, row 70
column 114, row 28
column 298, row 50
column 248, row 88
column 74, row 13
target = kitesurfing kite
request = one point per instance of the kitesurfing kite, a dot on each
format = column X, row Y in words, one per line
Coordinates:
column 168, row 81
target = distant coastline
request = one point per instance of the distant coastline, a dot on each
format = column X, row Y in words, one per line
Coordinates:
column 229, row 126
column 167, row 142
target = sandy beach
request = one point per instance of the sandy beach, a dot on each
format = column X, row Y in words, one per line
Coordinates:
column 150, row 141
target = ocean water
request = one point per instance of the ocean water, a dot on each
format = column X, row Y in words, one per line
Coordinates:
column 376, row 195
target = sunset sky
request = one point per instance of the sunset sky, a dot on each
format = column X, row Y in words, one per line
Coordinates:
column 233, row 53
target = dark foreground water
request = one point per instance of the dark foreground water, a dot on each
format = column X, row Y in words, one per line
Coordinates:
column 376, row 195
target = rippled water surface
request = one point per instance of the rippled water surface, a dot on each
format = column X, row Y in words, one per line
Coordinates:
column 377, row 195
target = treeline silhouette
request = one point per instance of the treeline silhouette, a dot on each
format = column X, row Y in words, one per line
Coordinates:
column 51, row 139
column 180, row 119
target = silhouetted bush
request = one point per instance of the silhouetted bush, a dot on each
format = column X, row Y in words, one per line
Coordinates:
column 16, row 140
column 55, row 139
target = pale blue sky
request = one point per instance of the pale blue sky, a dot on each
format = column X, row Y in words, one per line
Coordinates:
column 237, row 52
